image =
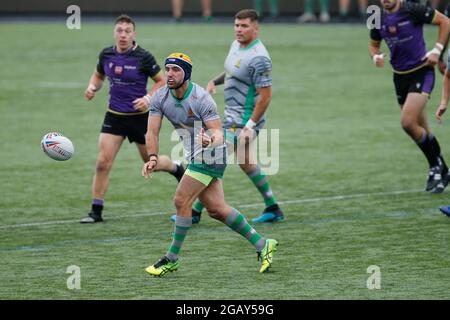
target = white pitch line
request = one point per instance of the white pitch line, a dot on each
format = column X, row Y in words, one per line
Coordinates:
column 250, row 205
column 342, row 197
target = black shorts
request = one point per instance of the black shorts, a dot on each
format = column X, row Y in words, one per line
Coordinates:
column 134, row 127
column 420, row 81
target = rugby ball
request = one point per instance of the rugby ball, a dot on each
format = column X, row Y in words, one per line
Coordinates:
column 57, row 146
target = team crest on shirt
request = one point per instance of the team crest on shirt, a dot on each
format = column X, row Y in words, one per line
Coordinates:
column 238, row 64
column 118, row 70
column 393, row 29
column 110, row 65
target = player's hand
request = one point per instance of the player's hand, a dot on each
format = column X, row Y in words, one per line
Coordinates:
column 440, row 111
column 442, row 67
column 140, row 104
column 211, row 87
column 246, row 135
column 203, row 139
column 378, row 60
column 433, row 55
column 432, row 59
column 148, row 168
column 90, row 92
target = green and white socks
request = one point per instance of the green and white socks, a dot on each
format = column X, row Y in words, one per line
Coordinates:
column 182, row 225
column 237, row 222
column 261, row 182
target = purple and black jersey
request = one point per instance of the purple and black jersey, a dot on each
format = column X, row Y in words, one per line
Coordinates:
column 128, row 74
column 403, row 33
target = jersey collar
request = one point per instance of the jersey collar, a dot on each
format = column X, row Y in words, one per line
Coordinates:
column 251, row 45
column 133, row 47
column 186, row 94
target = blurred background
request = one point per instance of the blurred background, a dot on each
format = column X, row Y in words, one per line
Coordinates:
column 198, row 10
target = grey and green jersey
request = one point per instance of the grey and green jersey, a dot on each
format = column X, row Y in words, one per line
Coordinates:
column 246, row 69
column 188, row 116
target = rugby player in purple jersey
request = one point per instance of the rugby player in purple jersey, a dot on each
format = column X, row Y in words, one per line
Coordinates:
column 127, row 67
column 402, row 30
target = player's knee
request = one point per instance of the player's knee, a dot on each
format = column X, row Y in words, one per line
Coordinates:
column 103, row 166
column 247, row 167
column 408, row 124
column 217, row 212
column 213, row 214
column 211, row 208
column 180, row 202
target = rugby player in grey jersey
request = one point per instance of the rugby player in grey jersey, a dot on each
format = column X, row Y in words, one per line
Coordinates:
column 193, row 113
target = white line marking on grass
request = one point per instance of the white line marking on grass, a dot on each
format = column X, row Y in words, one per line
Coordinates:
column 46, row 223
column 342, row 197
column 250, row 205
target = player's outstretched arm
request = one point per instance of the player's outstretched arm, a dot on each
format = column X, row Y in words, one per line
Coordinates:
column 442, row 64
column 95, row 83
column 211, row 86
column 444, row 30
column 376, row 54
column 262, row 103
column 159, row 81
column 444, row 27
column 265, row 96
column 142, row 104
column 214, row 137
column 444, row 97
column 152, row 144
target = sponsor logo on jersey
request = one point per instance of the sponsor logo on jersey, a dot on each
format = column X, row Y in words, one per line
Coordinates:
column 118, row 70
column 393, row 29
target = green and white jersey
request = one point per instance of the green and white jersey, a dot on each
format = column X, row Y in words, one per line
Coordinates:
column 188, row 116
column 246, row 70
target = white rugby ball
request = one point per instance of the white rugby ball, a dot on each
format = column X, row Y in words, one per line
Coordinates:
column 57, row 146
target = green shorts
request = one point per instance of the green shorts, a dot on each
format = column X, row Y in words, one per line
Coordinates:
column 205, row 173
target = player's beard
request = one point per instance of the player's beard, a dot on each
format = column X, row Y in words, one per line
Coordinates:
column 174, row 84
